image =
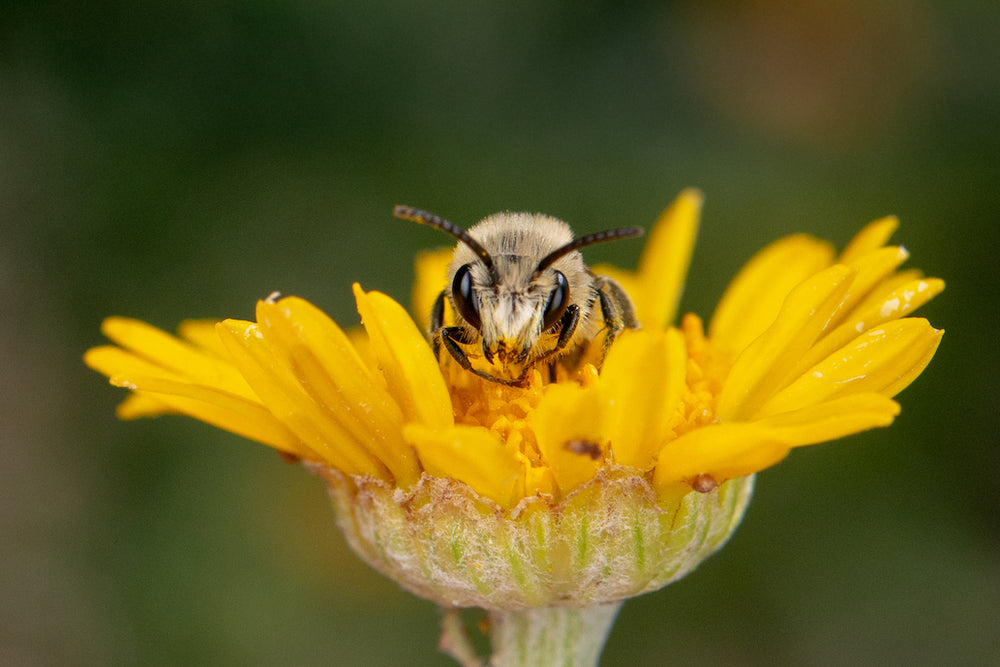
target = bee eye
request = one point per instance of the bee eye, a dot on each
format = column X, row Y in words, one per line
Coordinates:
column 465, row 301
column 558, row 301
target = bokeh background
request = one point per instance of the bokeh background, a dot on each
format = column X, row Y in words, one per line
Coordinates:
column 168, row 160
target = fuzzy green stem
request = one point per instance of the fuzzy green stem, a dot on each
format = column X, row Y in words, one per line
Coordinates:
column 558, row 636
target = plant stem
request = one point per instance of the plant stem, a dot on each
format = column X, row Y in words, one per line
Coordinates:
column 557, row 636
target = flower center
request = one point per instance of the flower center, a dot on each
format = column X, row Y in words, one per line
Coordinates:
column 500, row 408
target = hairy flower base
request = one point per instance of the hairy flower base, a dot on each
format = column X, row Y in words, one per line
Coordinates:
column 610, row 539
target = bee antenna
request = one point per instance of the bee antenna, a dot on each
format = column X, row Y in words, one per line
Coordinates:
column 448, row 227
column 589, row 239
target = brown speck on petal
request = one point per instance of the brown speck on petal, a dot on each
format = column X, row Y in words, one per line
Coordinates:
column 591, row 449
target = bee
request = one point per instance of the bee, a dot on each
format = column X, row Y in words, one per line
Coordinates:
column 523, row 295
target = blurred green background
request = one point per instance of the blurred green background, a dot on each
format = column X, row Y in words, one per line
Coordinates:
column 174, row 160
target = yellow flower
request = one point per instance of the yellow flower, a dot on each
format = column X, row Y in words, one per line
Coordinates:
column 601, row 484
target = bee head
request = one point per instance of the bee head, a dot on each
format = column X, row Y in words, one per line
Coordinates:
column 505, row 286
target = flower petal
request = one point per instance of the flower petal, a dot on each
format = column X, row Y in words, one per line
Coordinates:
column 412, row 374
column 642, row 381
column 332, row 373
column 763, row 367
column 181, row 358
column 724, row 451
column 141, row 404
column 431, row 278
column 890, row 305
column 472, row 455
column 663, row 266
column 232, row 413
column 833, row 419
column 118, row 363
column 872, row 268
column 266, row 369
column 159, row 388
column 568, row 425
column 882, row 360
column 754, row 298
column 873, row 236
column 203, row 334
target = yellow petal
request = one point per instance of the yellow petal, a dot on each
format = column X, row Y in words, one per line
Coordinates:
column 642, row 381
column 724, row 451
column 332, row 373
column 202, row 333
column 883, row 360
column 266, row 369
column 359, row 339
column 890, row 305
column 472, row 455
column 889, row 285
column 568, row 424
column 663, row 266
column 411, row 372
column 909, row 368
column 872, row 268
column 539, row 479
column 833, row 419
column 754, row 298
column 116, row 362
column 142, row 405
column 873, row 236
column 162, row 391
column 171, row 353
column 232, row 413
column 431, row 278
column 762, row 369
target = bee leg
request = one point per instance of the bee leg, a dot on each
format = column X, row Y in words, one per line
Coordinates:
column 437, row 324
column 616, row 310
column 450, row 337
column 567, row 327
column 553, row 373
column 615, row 303
column 568, row 324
